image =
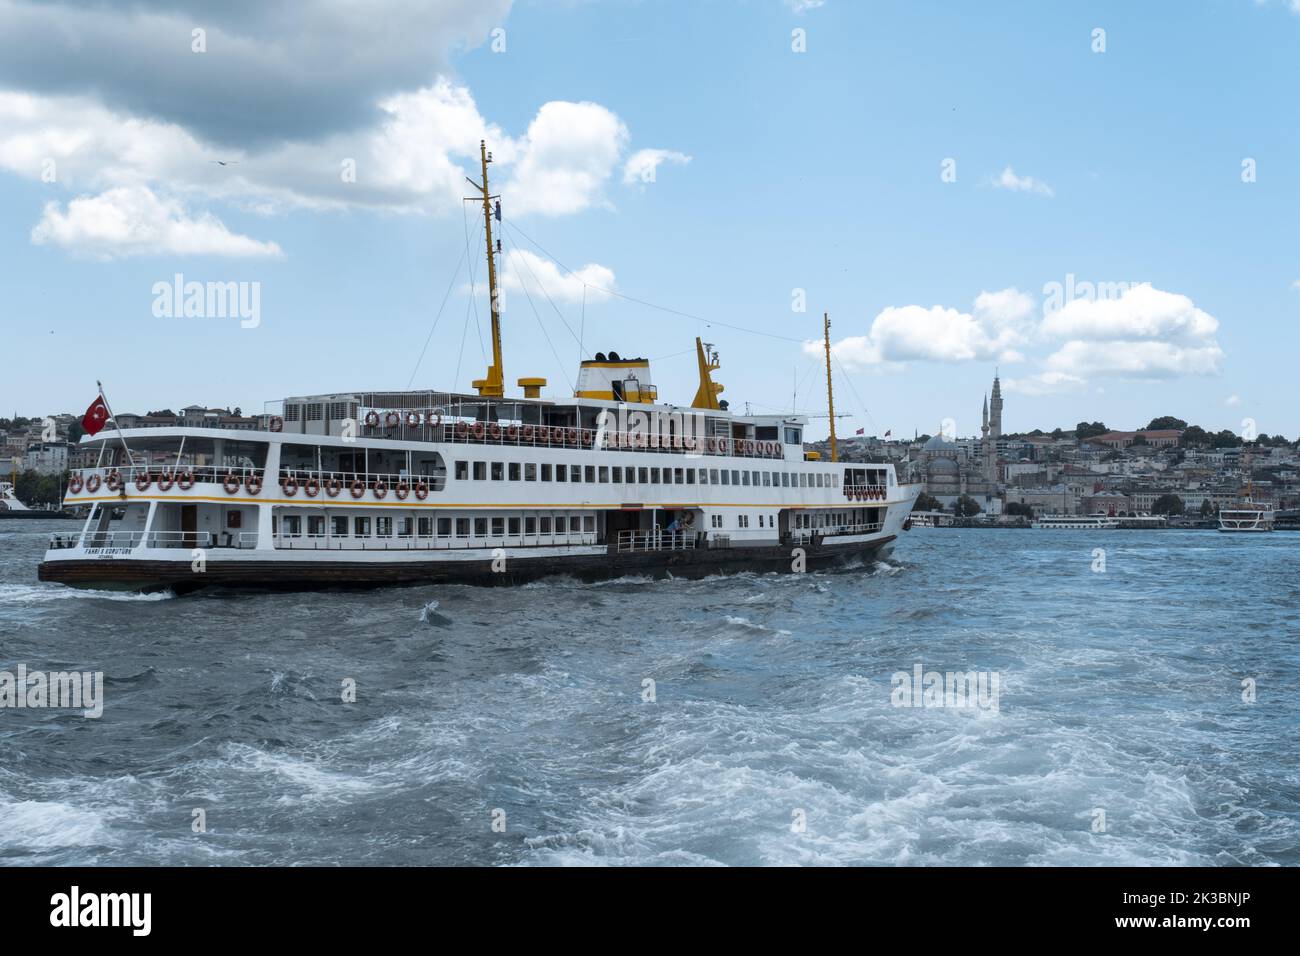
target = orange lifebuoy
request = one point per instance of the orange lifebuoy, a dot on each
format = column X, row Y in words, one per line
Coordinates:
column 358, row 488
column 391, row 419
column 379, row 487
column 253, row 484
column 275, row 423
column 185, row 480
column 143, row 481
column 402, row 490
column 92, row 484
column 289, row 485
column 422, row 490
column 75, row 484
column 372, row 419
column 512, row 433
column 333, row 486
column 461, row 429
column 231, row 484
column 114, row 480
column 573, row 436
column 478, row 431
column 494, row 430
column 165, row 481
column 528, row 433
column 412, row 419
column 311, row 487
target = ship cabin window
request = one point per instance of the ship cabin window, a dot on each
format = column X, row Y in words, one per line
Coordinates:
column 444, row 527
column 530, row 526
column 361, row 527
column 383, row 527
column 561, row 473
column 575, row 473
column 513, row 525
column 546, row 472
column 604, row 474
column 616, row 473
column 339, row 526
column 498, row 471
column 760, row 521
column 544, row 524
column 690, row 476
column 767, row 479
column 589, row 523
column 561, row 524
column 291, row 526
column 713, row 476
column 480, row 527
column 530, row 471
column 462, row 527
column 793, row 436
column 498, row 527
column 480, row 471
column 742, row 521
column 462, row 471
column 404, row 529
column 514, row 471
column 643, row 475
column 315, row 526
column 654, row 476
column 425, row 525
column 629, row 476
column 590, row 476
column 744, row 477
column 726, row 477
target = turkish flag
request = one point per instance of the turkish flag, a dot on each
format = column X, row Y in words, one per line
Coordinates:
column 95, row 416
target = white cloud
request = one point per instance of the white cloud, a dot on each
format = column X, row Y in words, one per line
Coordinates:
column 997, row 322
column 802, row 6
column 1145, row 333
column 643, row 165
column 1232, row 401
column 525, row 271
column 1044, row 383
column 1135, row 360
column 1022, row 184
column 132, row 221
column 1140, row 312
column 566, row 157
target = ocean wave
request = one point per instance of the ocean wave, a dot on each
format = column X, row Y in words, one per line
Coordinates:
column 46, row 593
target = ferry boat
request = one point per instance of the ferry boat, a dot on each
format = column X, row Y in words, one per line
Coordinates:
column 365, row 488
column 1246, row 516
column 9, row 503
column 1076, row 522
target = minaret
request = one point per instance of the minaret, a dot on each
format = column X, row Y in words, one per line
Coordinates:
column 995, row 409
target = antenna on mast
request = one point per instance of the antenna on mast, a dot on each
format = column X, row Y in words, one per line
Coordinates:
column 493, row 386
column 830, row 393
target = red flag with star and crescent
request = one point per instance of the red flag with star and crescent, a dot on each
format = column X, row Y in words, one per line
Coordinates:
column 95, row 417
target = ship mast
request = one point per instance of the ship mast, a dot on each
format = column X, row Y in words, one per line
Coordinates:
column 493, row 386
column 830, row 393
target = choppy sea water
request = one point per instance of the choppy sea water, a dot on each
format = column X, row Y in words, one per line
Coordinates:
column 771, row 739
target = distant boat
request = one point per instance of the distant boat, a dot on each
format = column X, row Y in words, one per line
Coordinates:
column 1246, row 516
column 1076, row 522
column 8, row 500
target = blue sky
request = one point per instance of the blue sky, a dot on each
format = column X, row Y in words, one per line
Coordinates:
column 778, row 171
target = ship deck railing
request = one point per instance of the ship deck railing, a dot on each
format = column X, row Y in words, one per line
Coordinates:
column 866, row 493
column 632, row 541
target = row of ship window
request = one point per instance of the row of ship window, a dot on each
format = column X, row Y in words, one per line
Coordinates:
column 360, row 526
column 633, row 475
